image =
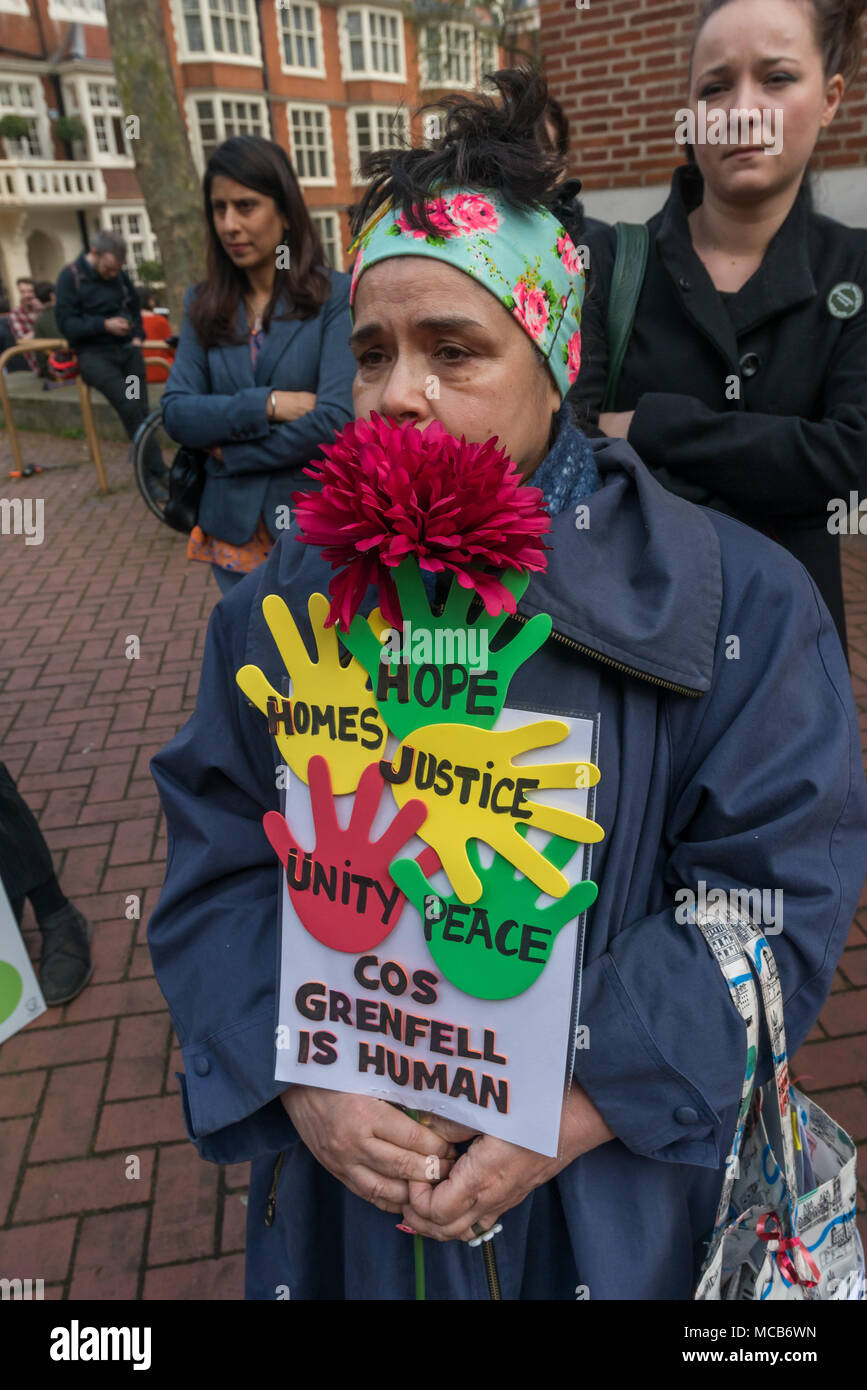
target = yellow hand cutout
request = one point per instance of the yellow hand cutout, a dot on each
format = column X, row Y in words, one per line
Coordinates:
column 330, row 712
column 474, row 791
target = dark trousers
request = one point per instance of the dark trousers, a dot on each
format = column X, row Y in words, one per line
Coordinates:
column 107, row 369
column 25, row 859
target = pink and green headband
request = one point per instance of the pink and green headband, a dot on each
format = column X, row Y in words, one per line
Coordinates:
column 523, row 256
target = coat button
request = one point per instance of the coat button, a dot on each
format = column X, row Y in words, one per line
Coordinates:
column 750, row 363
column 201, row 1066
column 685, row 283
column 684, row 1114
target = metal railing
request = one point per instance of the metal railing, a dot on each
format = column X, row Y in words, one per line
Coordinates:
column 61, row 345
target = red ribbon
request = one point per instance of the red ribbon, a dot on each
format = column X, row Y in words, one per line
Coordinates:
column 779, row 1245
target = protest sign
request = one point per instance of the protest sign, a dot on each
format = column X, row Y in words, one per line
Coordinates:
column 20, row 996
column 392, row 1020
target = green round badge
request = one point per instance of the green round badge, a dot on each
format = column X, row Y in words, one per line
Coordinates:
column 11, row 989
column 845, row 299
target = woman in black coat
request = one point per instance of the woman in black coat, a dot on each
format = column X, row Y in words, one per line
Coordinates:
column 744, row 385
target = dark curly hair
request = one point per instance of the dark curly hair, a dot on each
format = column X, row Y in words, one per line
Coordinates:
column 489, row 142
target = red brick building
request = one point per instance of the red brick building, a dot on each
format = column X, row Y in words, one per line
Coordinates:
column 619, row 68
column 327, row 80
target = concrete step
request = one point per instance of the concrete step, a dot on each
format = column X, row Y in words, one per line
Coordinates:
column 58, row 412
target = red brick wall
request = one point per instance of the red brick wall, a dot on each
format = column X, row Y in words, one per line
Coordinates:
column 619, row 68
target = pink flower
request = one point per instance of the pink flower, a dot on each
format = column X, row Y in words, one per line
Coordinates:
column 531, row 309
column 573, row 359
column 474, row 213
column 569, row 255
column 390, row 491
column 438, row 212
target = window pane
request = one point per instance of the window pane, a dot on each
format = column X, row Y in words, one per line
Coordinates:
column 353, row 23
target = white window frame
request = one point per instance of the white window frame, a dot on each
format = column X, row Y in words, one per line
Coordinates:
column 38, row 112
column 210, row 54
column 14, row 7
column 317, row 214
column 77, row 98
column 348, row 73
column 481, row 66
column 398, row 114
column 284, row 7
column 445, row 83
column 124, row 211
column 77, row 11
column 309, row 181
column 217, row 97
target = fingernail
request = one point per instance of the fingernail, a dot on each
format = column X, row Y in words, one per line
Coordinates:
column 401, row 1226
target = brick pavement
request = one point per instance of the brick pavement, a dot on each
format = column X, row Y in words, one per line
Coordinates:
column 88, row 1085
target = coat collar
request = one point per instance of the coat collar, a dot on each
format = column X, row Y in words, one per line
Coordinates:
column 640, row 583
column 783, row 280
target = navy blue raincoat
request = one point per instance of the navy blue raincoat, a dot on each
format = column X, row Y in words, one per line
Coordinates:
column 740, row 768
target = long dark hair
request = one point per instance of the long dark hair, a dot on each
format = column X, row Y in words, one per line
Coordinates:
column 488, row 143
column 839, row 35
column 300, row 290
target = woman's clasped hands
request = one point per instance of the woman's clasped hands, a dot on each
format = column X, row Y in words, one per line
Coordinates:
column 412, row 1168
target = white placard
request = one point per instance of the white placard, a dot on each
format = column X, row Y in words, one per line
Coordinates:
column 523, row 1045
column 20, row 996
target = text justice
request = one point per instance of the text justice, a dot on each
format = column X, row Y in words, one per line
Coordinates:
column 440, row 774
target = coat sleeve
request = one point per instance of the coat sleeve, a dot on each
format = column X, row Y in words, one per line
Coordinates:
column 770, row 795
column 214, row 933
column 75, row 326
column 294, row 443
column 193, row 414
column 781, row 464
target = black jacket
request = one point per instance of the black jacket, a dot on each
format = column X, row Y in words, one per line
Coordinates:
column 85, row 301
column 797, row 436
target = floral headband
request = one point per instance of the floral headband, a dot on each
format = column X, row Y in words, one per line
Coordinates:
column 487, row 239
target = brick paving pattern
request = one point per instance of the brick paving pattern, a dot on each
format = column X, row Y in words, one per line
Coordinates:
column 88, row 1086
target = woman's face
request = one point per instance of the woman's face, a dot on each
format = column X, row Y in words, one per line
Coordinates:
column 761, row 55
column 250, row 225
column 431, row 344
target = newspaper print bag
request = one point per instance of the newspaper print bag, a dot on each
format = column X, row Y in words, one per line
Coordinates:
column 785, row 1225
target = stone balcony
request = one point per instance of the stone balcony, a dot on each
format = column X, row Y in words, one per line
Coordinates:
column 50, row 183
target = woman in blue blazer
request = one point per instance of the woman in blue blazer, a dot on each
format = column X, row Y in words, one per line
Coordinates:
column 263, row 372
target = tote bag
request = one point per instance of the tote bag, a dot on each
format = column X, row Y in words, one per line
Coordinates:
column 785, row 1225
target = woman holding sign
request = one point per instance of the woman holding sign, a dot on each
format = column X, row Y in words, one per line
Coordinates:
column 466, row 301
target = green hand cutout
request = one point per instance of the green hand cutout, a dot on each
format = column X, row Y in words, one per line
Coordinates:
column 500, row 945
column 447, row 662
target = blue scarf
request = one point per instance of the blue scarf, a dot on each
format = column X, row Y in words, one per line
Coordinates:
column 569, row 471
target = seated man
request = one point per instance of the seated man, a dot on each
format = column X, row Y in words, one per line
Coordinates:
column 99, row 315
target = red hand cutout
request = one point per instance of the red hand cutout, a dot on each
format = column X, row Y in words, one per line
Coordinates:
column 341, row 890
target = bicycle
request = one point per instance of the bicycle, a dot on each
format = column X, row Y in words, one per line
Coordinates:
column 153, row 490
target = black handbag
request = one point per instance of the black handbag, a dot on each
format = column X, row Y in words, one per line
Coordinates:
column 186, row 483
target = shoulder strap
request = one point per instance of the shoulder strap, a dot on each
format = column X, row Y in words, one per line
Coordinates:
column 732, row 937
column 630, row 264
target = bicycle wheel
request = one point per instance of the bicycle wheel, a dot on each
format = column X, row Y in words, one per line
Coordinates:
column 151, row 432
